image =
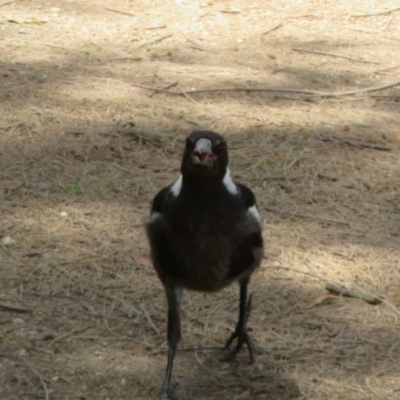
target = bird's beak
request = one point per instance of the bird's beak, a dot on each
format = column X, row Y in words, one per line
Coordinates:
column 202, row 153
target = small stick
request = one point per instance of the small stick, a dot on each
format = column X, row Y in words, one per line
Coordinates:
column 283, row 90
column 33, row 254
column 188, row 349
column 375, row 146
column 324, row 279
column 277, row 90
column 155, row 40
column 119, row 12
column 329, row 177
column 8, row 2
column 345, row 292
column 169, row 86
column 266, row 178
column 121, row 58
column 189, row 98
column 155, row 27
column 296, row 270
column 272, row 29
column 42, row 382
column 376, row 13
column 230, row 11
column 11, row 307
column 289, row 214
column 73, row 332
column 191, row 122
column 386, row 69
column 196, row 45
column 334, row 55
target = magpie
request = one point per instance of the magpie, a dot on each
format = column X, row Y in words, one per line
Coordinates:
column 205, row 233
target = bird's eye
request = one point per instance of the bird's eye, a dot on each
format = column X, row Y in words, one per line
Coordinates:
column 189, row 143
column 219, row 148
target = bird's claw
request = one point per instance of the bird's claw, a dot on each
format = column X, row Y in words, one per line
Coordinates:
column 168, row 392
column 243, row 338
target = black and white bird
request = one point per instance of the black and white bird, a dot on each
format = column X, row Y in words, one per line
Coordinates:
column 205, row 232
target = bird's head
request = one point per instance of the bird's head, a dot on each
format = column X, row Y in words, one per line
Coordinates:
column 205, row 155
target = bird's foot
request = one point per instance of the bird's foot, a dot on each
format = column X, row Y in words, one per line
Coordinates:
column 243, row 338
column 168, row 392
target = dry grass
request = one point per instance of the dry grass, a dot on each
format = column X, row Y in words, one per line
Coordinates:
column 82, row 153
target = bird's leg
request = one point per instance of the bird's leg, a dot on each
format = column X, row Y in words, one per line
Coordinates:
column 241, row 332
column 174, row 295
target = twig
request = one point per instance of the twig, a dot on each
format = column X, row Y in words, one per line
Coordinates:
column 196, row 45
column 387, row 24
column 344, row 291
column 169, row 86
column 121, row 58
column 149, row 28
column 236, row 89
column 191, row 122
column 73, row 332
column 359, row 144
column 119, row 11
column 189, row 98
column 365, row 145
column 315, row 217
column 155, row 40
column 120, row 53
column 187, row 349
column 377, row 13
column 334, row 55
column 273, row 89
column 297, row 271
column 230, row 11
column 328, row 177
column 42, row 382
column 272, row 29
column 386, row 69
column 267, row 178
column 33, row 254
column 11, row 307
column 390, row 305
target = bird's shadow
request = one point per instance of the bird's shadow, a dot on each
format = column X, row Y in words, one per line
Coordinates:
column 209, row 378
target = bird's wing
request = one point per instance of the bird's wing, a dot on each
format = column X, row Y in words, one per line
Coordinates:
column 248, row 251
column 159, row 232
column 249, row 201
column 160, row 201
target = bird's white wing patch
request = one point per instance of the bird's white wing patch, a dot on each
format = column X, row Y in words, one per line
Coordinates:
column 155, row 215
column 229, row 184
column 176, row 187
column 254, row 213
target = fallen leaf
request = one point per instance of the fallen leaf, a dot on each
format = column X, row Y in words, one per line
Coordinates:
column 143, row 261
column 320, row 299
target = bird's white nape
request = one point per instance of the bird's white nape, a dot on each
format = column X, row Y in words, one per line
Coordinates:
column 229, row 184
column 176, row 187
column 254, row 213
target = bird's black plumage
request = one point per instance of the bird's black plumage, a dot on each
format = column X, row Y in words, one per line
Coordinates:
column 205, row 233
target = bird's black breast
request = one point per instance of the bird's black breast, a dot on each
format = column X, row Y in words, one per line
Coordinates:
column 207, row 237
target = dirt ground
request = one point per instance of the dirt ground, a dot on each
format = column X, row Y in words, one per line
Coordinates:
column 83, row 151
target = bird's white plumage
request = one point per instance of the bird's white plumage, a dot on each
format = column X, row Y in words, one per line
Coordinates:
column 176, row 187
column 229, row 184
column 254, row 213
column 155, row 215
